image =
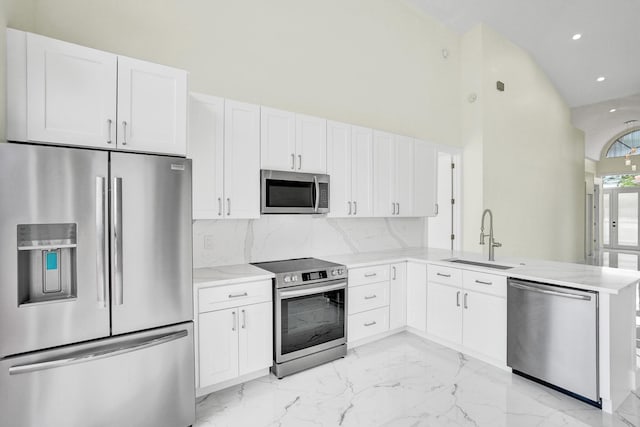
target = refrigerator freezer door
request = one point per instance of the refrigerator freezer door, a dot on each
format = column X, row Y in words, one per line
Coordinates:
column 151, row 265
column 53, row 247
column 142, row 379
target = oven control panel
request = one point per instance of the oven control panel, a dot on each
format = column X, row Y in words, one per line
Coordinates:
column 314, row 275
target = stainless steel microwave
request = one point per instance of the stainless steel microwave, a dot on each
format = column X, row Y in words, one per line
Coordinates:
column 293, row 192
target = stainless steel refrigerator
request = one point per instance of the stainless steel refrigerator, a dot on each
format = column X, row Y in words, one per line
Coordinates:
column 95, row 288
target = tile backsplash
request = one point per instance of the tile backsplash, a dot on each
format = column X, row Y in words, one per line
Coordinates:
column 273, row 237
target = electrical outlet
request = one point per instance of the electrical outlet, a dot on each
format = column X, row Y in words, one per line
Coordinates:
column 208, row 241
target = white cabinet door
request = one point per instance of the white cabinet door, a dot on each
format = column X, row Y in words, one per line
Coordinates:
column 417, row 296
column 218, row 346
column 339, row 168
column 70, row 90
column 241, row 160
column 205, row 147
column 485, row 324
column 152, row 107
column 311, row 144
column 404, row 176
column 362, row 171
column 425, row 178
column 277, row 139
column 398, row 296
column 255, row 337
column 383, row 174
column 444, row 312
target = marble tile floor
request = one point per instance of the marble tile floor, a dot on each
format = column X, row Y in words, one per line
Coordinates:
column 403, row 380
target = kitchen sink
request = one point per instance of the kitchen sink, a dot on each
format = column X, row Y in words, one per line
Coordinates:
column 479, row 264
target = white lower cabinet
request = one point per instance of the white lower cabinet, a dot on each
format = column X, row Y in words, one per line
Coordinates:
column 368, row 323
column 236, row 337
column 417, row 296
column 398, row 295
column 458, row 313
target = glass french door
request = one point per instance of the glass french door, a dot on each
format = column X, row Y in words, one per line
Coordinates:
column 620, row 214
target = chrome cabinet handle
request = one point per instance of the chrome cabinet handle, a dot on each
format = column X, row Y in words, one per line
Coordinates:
column 228, row 206
column 116, row 205
column 443, row 275
column 219, row 206
column 101, row 206
column 466, row 295
column 458, row 299
column 109, row 122
column 394, row 272
column 398, row 213
column 233, row 320
column 436, row 209
column 126, row 347
column 124, row 132
column 370, row 274
column 484, row 283
column 293, row 161
column 243, row 294
column 355, row 208
column 349, row 208
column 244, row 319
column 299, row 161
column 370, row 296
column 370, row 323
column 393, row 208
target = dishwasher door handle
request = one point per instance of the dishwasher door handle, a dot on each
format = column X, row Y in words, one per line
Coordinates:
column 550, row 292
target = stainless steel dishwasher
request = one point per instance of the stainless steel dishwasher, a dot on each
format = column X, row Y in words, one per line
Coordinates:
column 552, row 337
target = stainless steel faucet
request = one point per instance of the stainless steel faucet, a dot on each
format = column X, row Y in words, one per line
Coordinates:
column 492, row 243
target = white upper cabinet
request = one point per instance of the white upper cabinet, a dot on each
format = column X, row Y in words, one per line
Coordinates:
column 277, row 139
column 224, row 143
column 393, row 172
column 59, row 92
column 241, row 160
column 292, row 142
column 425, row 183
column 349, row 152
column 62, row 93
column 152, row 107
column 384, row 203
column 206, row 149
column 404, row 191
column 311, row 144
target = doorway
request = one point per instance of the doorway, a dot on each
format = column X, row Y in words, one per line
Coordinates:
column 620, row 218
column 444, row 228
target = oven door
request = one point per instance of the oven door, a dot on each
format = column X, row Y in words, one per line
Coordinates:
column 309, row 318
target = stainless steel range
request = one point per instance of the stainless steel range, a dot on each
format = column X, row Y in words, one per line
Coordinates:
column 310, row 313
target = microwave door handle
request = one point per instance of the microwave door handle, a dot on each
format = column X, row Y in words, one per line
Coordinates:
column 317, row 195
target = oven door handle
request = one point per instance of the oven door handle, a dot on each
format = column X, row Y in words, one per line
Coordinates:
column 311, row 291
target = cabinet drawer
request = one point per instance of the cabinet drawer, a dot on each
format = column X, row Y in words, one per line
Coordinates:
column 364, row 275
column 444, row 275
column 485, row 282
column 226, row 296
column 368, row 323
column 367, row 297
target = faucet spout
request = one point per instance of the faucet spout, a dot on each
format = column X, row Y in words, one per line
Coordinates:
column 492, row 243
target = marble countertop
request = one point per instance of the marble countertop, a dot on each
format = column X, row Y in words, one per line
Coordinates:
column 581, row 276
column 229, row 274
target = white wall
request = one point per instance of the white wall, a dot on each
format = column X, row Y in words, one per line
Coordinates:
column 532, row 157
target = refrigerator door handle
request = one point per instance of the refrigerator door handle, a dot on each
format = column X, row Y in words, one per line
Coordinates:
column 127, row 347
column 101, row 269
column 116, row 215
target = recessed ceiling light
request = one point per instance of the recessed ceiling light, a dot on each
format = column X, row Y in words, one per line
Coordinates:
column 613, row 110
column 576, row 36
column 600, row 79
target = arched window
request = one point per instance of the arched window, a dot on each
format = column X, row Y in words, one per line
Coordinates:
column 627, row 144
